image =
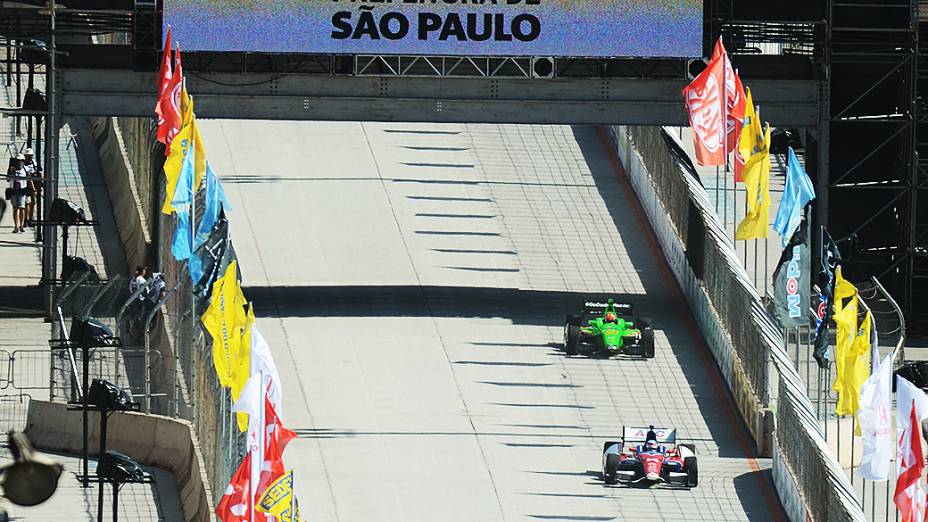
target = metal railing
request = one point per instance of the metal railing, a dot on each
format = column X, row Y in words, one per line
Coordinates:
column 808, row 474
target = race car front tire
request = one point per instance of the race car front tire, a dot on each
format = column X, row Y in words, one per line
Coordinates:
column 610, row 473
column 692, row 472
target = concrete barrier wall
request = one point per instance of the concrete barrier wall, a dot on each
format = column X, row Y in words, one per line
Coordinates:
column 128, row 209
column 752, row 408
column 152, row 440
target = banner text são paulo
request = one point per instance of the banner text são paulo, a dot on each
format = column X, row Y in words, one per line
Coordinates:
column 583, row 28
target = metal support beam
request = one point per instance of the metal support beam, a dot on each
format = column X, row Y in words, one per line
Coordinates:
column 790, row 103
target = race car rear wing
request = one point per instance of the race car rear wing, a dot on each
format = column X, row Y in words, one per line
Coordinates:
column 640, row 433
column 623, row 309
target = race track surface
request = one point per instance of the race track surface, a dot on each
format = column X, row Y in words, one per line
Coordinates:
column 412, row 281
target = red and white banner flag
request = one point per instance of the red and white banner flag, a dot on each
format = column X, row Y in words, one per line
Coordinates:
column 168, row 107
column 703, row 98
column 235, row 506
column 911, row 409
column 734, row 95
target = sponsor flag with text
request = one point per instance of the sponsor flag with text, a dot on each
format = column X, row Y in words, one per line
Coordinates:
column 704, row 107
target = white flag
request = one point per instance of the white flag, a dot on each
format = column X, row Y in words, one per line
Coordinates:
column 251, row 401
column 262, row 361
column 875, row 419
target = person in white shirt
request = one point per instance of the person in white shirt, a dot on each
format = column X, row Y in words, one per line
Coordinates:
column 21, row 188
column 38, row 181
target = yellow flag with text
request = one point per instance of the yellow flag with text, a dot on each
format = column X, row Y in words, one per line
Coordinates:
column 187, row 140
column 852, row 349
column 757, row 185
column 225, row 320
column 280, row 500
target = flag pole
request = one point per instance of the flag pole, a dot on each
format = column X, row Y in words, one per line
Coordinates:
column 725, row 66
column 292, row 497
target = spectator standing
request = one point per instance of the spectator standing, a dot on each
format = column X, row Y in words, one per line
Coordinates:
column 20, row 186
column 157, row 289
column 38, row 181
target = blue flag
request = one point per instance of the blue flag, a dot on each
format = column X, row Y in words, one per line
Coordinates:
column 797, row 193
column 181, row 245
column 214, row 201
column 183, row 193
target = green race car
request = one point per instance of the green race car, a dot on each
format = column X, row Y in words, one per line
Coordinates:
column 607, row 329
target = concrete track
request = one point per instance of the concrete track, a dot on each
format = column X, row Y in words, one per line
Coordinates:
column 413, row 280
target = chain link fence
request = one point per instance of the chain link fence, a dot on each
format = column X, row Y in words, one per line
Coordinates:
column 808, row 473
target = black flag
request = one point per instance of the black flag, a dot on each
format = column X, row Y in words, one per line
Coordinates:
column 792, row 281
column 831, row 258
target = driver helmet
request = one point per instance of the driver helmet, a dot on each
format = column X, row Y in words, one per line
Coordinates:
column 651, row 444
column 609, row 317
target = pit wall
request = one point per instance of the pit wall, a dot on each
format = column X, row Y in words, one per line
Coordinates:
column 152, row 440
column 744, row 340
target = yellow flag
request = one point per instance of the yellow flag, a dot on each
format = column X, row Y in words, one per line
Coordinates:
column 187, row 139
column 241, row 369
column 757, row 184
column 278, row 499
column 852, row 350
column 225, row 320
column 752, row 134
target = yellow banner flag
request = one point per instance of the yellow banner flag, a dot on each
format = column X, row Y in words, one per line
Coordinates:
column 241, row 369
column 757, row 185
column 225, row 320
column 187, row 139
column 280, row 500
column 852, row 350
column 752, row 134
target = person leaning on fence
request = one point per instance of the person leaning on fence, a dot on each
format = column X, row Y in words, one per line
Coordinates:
column 157, row 289
column 137, row 306
column 19, row 190
column 38, row 181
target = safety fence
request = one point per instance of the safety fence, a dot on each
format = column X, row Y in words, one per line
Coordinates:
column 746, row 342
column 179, row 350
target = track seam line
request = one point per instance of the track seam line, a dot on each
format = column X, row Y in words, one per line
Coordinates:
column 711, row 368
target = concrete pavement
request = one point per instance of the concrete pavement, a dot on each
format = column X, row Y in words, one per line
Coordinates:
column 412, row 281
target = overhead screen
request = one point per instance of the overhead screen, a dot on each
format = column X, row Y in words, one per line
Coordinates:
column 582, row 28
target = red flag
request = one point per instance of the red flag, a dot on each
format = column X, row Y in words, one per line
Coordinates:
column 164, row 73
column 234, row 505
column 734, row 96
column 275, row 440
column 168, row 107
column 909, row 497
column 272, row 468
column 274, row 429
column 703, row 99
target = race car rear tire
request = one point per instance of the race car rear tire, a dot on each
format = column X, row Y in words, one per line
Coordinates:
column 692, row 472
column 647, row 341
column 572, row 342
column 610, row 473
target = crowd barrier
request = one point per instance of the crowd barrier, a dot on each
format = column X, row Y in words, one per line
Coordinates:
column 746, row 343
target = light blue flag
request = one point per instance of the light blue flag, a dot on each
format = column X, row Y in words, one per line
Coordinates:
column 195, row 267
column 797, row 193
column 183, row 193
column 214, row 201
column 181, row 246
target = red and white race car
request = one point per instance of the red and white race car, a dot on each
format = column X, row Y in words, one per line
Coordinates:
column 643, row 456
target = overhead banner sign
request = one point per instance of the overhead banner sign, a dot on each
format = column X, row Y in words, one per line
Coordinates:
column 575, row 28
